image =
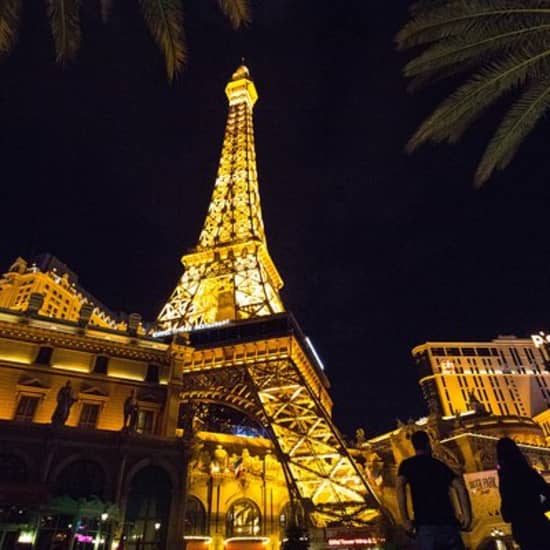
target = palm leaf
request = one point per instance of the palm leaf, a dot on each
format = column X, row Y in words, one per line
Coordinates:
column 164, row 18
column 10, row 11
column 64, row 18
column 456, row 17
column 517, row 123
column 457, row 50
column 237, row 11
column 456, row 113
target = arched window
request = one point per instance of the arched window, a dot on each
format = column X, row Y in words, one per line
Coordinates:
column 147, row 511
column 286, row 517
column 195, row 517
column 81, row 479
column 243, row 519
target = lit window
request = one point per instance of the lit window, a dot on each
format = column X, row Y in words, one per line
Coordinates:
column 243, row 519
column 89, row 415
column 26, row 408
column 195, row 517
column 145, row 422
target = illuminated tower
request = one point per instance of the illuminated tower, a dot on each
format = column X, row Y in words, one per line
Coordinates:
column 230, row 274
column 242, row 350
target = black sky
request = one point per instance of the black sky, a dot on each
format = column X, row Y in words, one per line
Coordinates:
column 110, row 168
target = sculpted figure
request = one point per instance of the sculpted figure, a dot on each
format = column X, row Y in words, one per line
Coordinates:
column 130, row 412
column 221, row 458
column 65, row 401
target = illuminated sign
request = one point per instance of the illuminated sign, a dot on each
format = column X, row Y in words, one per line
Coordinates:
column 83, row 538
column 338, row 537
column 540, row 339
column 172, row 331
column 352, row 542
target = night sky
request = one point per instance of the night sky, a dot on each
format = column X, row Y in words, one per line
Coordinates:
column 110, row 168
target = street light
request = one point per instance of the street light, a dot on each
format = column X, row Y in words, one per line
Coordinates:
column 98, row 540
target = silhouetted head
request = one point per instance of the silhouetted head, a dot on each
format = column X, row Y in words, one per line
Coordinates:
column 421, row 442
column 509, row 455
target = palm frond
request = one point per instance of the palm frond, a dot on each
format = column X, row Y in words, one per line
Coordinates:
column 518, row 122
column 164, row 19
column 64, row 18
column 456, row 17
column 10, row 11
column 474, row 46
column 456, row 113
column 237, row 11
column 506, row 43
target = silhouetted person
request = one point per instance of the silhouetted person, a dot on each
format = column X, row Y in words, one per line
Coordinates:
column 430, row 480
column 524, row 497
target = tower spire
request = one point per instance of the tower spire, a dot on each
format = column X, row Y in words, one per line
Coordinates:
column 230, row 274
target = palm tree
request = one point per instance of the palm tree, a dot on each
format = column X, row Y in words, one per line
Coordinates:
column 164, row 19
column 503, row 49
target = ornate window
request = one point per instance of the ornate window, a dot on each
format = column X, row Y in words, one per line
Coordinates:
column 26, row 407
column 243, row 519
column 89, row 415
column 195, row 517
column 286, row 517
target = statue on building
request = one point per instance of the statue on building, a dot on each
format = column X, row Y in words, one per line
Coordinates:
column 130, row 412
column 65, row 401
column 360, row 437
column 221, row 458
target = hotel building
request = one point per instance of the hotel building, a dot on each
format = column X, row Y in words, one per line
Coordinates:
column 507, row 376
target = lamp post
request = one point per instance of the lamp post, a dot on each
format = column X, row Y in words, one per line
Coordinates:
column 157, row 533
column 103, row 518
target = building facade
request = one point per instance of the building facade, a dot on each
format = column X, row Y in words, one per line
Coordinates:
column 210, row 427
column 506, row 376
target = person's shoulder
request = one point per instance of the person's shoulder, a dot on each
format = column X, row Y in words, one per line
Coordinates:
column 405, row 465
column 444, row 467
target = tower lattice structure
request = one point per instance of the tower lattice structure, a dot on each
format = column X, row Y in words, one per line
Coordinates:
column 230, row 274
column 243, row 350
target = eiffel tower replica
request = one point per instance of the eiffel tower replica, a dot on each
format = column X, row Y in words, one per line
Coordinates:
column 237, row 346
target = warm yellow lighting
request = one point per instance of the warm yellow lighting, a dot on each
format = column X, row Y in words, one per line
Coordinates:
column 230, row 274
column 199, row 538
column 26, row 537
column 263, row 540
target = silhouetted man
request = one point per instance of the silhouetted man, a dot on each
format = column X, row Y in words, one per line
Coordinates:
column 430, row 480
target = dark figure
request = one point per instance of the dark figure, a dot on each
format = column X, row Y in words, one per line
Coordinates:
column 65, row 401
column 130, row 412
column 435, row 523
column 524, row 497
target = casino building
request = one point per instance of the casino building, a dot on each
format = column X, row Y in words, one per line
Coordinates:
column 505, row 377
column 208, row 429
